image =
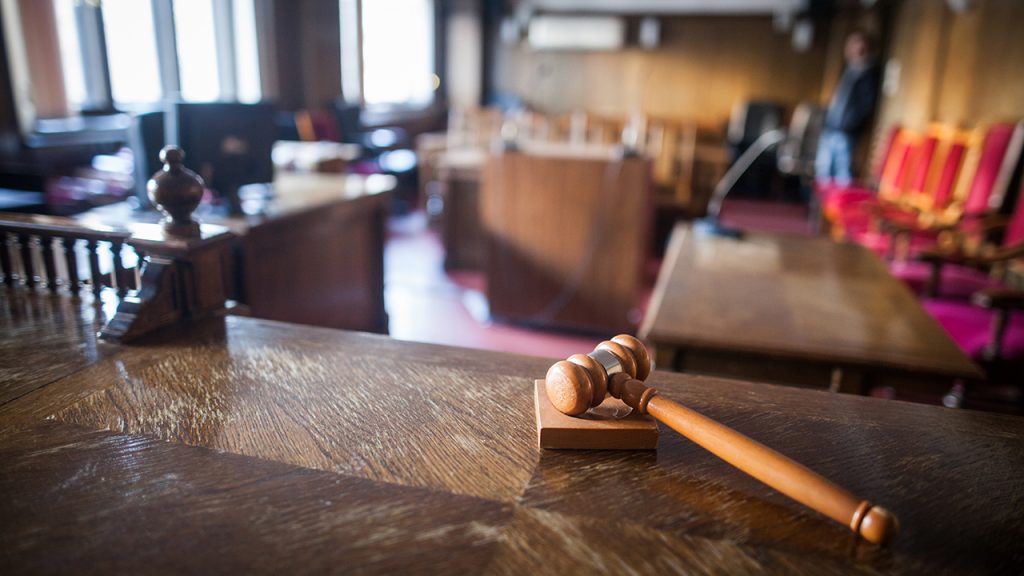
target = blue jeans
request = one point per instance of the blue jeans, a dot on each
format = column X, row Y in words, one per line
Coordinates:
column 833, row 161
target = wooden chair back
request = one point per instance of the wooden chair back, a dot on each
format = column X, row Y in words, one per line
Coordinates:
column 939, row 163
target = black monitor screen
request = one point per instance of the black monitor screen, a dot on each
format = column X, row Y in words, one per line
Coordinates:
column 228, row 144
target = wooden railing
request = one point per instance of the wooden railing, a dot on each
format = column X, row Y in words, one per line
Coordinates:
column 161, row 273
column 57, row 243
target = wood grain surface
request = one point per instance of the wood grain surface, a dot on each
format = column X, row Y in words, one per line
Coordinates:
column 243, row 445
column 794, row 298
column 314, row 254
column 45, row 337
column 175, row 509
column 566, row 236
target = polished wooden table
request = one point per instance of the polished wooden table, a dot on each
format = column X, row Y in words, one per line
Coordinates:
column 312, row 253
column 795, row 310
column 250, row 446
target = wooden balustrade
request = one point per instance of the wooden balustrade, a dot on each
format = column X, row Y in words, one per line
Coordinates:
column 161, row 273
column 58, row 243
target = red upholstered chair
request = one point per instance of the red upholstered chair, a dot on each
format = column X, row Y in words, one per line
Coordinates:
column 890, row 184
column 897, row 224
column 990, row 326
column 900, row 186
column 986, row 191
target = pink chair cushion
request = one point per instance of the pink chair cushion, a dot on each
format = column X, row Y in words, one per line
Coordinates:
column 970, row 327
column 838, row 198
column 956, row 282
column 856, row 218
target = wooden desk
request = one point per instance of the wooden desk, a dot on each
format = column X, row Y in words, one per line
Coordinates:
column 795, row 310
column 251, row 446
column 567, row 231
column 312, row 254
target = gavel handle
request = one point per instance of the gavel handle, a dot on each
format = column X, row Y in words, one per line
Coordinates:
column 873, row 523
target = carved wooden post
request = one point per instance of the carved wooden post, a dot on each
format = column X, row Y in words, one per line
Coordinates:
column 183, row 273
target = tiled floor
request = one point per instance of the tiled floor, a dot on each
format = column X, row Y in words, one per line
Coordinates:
column 427, row 305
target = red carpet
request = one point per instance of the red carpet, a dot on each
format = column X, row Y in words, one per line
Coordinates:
column 427, row 305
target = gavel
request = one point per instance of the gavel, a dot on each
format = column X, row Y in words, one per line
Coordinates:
column 620, row 365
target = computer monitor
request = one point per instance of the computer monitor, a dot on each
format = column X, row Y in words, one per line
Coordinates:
column 228, row 144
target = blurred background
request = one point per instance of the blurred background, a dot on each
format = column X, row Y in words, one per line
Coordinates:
column 531, row 161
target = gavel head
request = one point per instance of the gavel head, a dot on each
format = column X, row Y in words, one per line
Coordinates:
column 581, row 382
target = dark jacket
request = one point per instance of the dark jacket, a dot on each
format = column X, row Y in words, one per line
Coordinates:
column 855, row 100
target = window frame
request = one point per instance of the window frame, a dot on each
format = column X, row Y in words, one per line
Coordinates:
column 91, row 35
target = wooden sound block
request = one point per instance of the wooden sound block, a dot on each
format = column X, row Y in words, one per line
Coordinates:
column 610, row 426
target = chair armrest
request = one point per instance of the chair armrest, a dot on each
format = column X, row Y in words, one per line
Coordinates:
column 1007, row 253
column 897, row 227
column 999, row 298
column 939, row 257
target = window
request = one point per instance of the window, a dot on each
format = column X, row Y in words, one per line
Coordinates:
column 130, row 53
column 397, row 67
column 196, row 43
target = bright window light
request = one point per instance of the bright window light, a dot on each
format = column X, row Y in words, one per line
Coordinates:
column 131, row 51
column 351, row 71
column 197, row 50
column 398, row 53
column 70, row 54
column 247, row 56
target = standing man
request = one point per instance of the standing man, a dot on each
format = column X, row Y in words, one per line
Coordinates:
column 849, row 111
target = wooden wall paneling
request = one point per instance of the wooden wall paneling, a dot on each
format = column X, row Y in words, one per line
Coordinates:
column 42, row 49
column 955, row 81
column 704, row 65
column 288, row 55
column 321, row 52
column 917, row 40
column 961, row 68
column 308, row 53
column 997, row 92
